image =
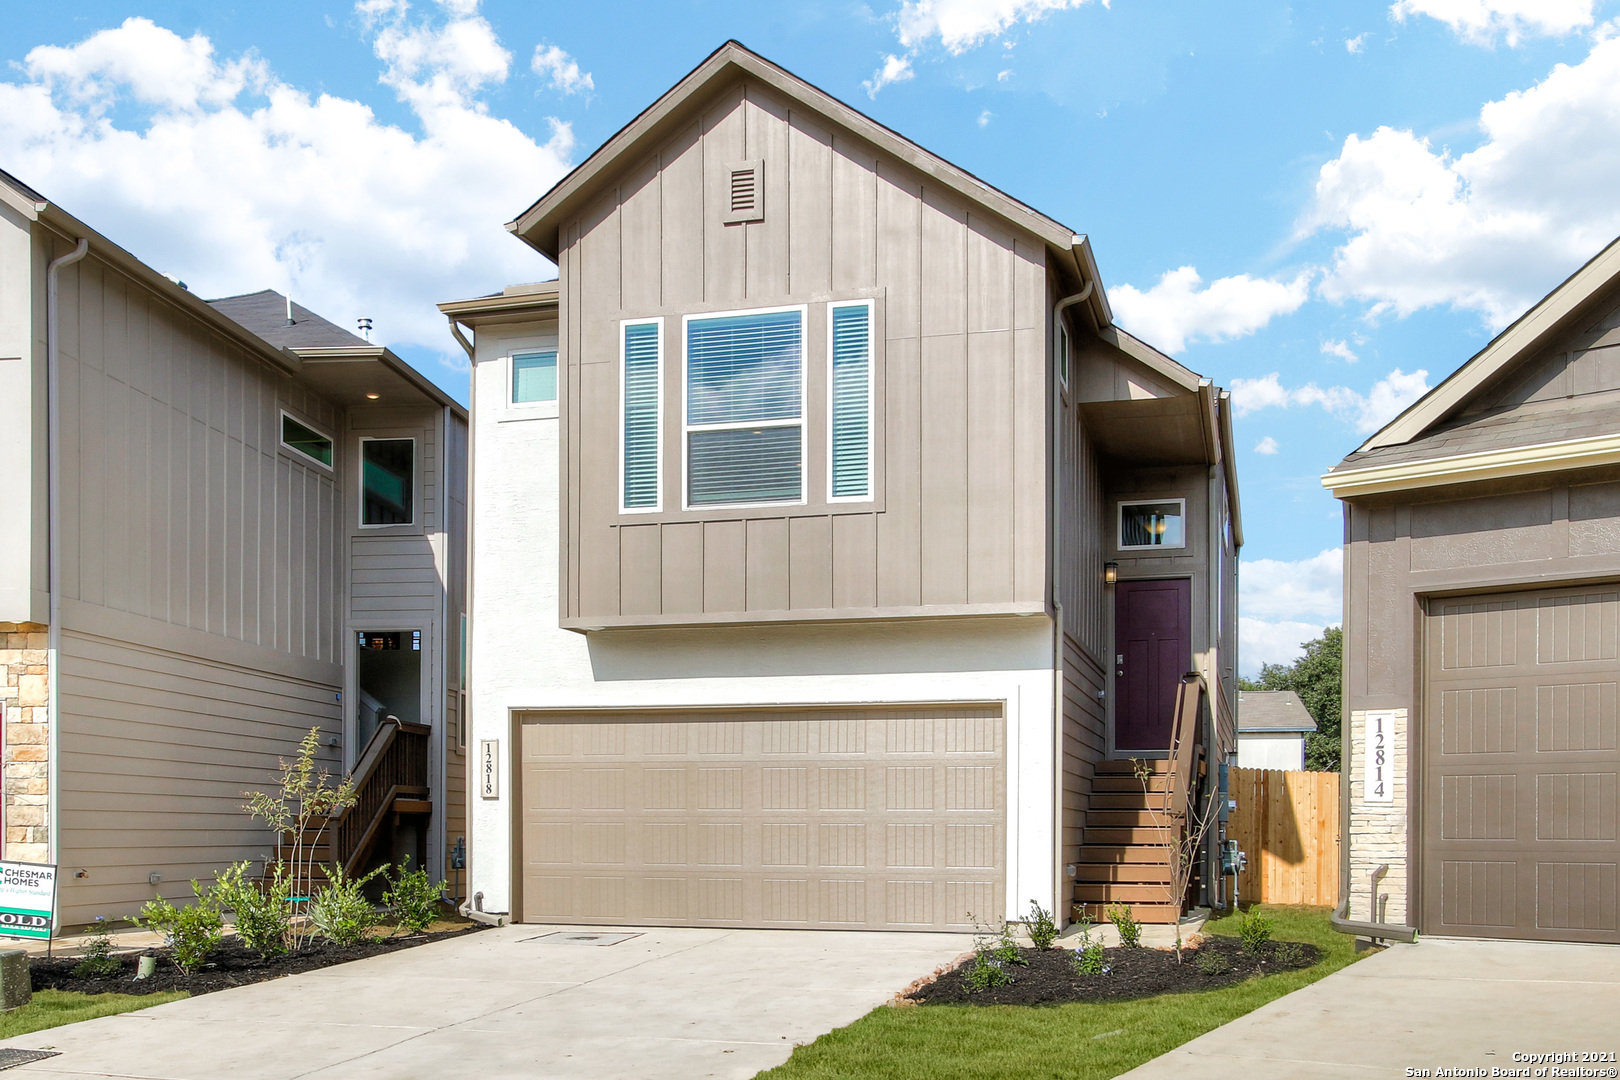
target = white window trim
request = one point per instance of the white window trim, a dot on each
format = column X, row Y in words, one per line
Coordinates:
column 510, row 362
column 1061, row 347
column 1119, row 525
column 360, row 475
column 658, row 425
column 802, row 421
column 281, row 438
column 871, row 396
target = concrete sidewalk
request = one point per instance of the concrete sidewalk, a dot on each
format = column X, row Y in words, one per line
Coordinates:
column 519, row 1001
column 1443, row 1003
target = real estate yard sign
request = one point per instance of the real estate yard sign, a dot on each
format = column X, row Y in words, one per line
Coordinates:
column 27, row 900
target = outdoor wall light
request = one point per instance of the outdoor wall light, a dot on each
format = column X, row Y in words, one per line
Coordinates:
column 1110, row 573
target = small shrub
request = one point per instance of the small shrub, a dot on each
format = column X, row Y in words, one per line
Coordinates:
column 99, row 961
column 261, row 911
column 1210, row 962
column 340, row 911
column 1254, row 928
column 1042, row 930
column 414, row 898
column 986, row 974
column 1130, row 931
column 192, row 932
column 1088, row 958
column 1291, row 954
column 1006, row 950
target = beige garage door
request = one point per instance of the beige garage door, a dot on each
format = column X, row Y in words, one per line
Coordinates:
column 1522, row 775
column 870, row 819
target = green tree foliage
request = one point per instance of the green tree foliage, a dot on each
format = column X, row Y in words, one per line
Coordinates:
column 1317, row 678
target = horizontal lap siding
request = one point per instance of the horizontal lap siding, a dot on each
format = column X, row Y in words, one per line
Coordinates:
column 157, row 749
column 959, row 420
column 1085, row 614
column 180, row 506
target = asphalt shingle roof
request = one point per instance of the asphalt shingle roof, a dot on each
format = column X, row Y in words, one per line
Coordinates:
column 1523, row 425
column 265, row 314
column 1272, row 710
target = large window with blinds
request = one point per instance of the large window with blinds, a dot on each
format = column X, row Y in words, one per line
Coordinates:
column 641, row 382
column 744, row 407
column 849, row 415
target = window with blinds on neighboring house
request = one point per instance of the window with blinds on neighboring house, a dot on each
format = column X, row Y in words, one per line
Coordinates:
column 640, row 381
column 745, row 408
column 534, row 377
column 850, row 415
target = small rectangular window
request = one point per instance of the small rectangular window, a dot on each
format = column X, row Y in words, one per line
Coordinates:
column 641, row 419
column 745, row 408
column 387, row 481
column 534, row 377
column 1152, row 524
column 850, row 414
column 306, row 441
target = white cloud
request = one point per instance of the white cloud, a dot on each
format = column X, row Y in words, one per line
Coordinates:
column 1490, row 230
column 1261, row 642
column 962, row 24
column 1356, row 44
column 1481, row 22
column 560, row 70
column 984, row 118
column 219, row 172
column 1176, row 311
column 1368, row 412
column 1003, row 76
column 1341, row 349
column 895, row 69
column 1266, row 446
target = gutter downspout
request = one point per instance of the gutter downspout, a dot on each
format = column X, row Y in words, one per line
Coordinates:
column 1060, row 909
column 53, row 436
column 473, row 906
column 461, row 339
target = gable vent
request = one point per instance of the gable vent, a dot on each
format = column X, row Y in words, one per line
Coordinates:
column 745, row 192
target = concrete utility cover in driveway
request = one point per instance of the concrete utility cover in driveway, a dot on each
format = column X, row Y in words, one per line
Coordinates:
column 1440, row 1004
column 506, row 1003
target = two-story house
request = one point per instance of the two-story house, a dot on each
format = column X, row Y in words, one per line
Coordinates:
column 832, row 548
column 221, row 524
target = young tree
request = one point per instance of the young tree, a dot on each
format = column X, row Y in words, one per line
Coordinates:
column 1316, row 678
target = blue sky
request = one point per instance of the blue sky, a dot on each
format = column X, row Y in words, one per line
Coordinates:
column 1326, row 208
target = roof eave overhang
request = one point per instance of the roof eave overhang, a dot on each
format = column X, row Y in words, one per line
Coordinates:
column 539, row 225
column 1530, row 330
column 381, row 354
column 1514, row 461
column 471, row 310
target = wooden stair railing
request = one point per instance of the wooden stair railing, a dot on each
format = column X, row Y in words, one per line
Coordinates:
column 1132, row 826
column 391, row 775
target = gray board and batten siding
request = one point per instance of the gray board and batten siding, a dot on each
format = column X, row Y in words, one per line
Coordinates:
column 958, row 517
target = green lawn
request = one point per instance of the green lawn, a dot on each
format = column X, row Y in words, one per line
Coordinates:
column 1071, row 1042
column 53, row 1008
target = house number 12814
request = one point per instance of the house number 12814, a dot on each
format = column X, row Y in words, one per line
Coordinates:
column 1378, row 768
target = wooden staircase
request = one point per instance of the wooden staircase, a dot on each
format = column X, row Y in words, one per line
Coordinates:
column 391, row 784
column 1134, row 825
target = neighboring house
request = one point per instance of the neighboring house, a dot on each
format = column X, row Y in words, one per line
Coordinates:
column 1271, row 729
column 220, row 530
column 798, row 501
column 1482, row 635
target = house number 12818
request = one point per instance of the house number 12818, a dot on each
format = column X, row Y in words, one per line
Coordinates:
column 1378, row 768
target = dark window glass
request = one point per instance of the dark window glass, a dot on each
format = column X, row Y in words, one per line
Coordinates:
column 312, row 444
column 388, row 481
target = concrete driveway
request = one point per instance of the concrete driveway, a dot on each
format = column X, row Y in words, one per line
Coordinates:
column 1443, row 1003
column 519, row 1001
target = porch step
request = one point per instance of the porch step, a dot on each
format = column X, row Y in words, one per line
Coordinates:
column 1110, row 893
column 1126, row 784
column 1146, row 836
column 1126, row 767
column 413, row 806
column 1123, row 873
column 1156, row 914
column 1124, row 817
column 1124, row 853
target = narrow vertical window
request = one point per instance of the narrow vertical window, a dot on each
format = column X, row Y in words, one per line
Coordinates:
column 387, row 481
column 534, row 377
column 641, row 380
column 850, row 415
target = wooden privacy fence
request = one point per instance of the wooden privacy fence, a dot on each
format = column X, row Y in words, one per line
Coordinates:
column 1288, row 825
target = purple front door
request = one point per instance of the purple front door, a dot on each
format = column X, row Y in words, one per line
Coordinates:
column 1153, row 650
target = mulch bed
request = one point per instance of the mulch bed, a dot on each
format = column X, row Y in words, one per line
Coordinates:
column 232, row 965
column 1050, row 978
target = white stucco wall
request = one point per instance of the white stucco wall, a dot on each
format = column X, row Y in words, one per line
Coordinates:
column 20, row 441
column 521, row 659
column 1279, row 750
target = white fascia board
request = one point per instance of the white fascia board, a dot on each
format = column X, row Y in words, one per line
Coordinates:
column 1467, row 468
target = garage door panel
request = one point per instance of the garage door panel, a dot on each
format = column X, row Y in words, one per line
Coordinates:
column 861, row 818
column 1521, row 789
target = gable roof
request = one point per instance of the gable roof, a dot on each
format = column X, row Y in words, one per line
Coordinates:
column 1272, row 710
column 538, row 226
column 265, row 313
column 1430, row 444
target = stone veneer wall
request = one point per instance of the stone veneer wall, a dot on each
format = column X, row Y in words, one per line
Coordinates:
column 1378, row 831
column 24, row 690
